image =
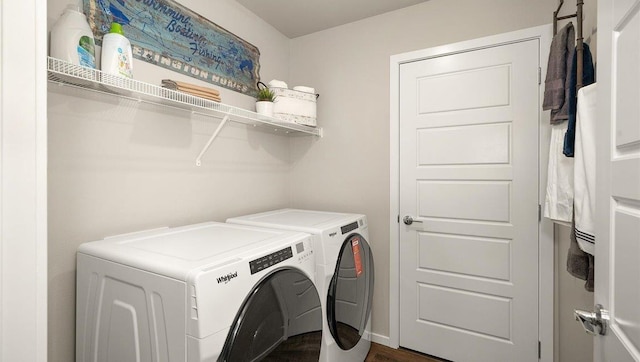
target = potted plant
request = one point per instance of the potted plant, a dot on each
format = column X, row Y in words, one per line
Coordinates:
column 264, row 100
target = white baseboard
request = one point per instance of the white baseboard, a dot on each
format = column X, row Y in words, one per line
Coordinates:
column 380, row 339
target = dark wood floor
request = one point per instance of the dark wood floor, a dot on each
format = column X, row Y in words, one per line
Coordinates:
column 380, row 353
column 306, row 348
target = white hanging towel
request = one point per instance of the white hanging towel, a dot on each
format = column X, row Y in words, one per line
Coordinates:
column 585, row 168
column 558, row 203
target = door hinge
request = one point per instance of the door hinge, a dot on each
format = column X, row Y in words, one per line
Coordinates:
column 539, row 75
column 539, row 350
column 539, row 212
column 398, row 219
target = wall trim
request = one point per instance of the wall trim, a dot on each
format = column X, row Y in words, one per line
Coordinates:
column 380, row 339
column 545, row 242
column 23, row 181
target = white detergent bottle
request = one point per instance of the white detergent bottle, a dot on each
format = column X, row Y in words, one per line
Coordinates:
column 117, row 57
column 72, row 39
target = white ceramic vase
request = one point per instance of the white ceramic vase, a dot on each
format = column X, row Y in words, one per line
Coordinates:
column 264, row 108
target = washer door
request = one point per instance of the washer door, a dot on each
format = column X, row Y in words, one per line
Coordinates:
column 283, row 307
column 350, row 292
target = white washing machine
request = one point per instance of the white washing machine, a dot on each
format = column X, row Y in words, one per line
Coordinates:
column 344, row 278
column 202, row 292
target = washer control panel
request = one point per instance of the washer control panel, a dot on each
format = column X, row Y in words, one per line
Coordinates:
column 270, row 260
column 303, row 254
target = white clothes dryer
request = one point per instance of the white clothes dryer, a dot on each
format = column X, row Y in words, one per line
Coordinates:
column 205, row 292
column 345, row 275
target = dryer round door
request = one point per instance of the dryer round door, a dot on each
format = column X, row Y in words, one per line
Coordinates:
column 350, row 292
column 283, row 306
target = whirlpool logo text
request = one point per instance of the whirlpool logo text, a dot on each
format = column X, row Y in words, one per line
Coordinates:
column 227, row 278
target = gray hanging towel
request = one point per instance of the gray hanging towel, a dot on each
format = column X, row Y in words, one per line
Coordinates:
column 579, row 263
column 557, row 81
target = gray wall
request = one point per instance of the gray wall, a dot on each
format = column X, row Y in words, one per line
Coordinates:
column 348, row 170
column 116, row 166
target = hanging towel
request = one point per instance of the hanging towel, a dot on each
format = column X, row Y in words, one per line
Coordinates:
column 585, row 169
column 556, row 84
column 579, row 263
column 588, row 77
column 559, row 200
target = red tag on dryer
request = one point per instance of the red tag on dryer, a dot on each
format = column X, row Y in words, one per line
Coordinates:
column 355, row 247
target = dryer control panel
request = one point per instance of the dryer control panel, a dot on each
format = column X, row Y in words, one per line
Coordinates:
column 349, row 227
column 270, row 260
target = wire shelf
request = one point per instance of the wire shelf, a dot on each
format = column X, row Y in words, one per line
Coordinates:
column 65, row 73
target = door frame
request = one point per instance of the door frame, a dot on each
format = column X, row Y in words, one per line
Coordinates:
column 546, row 262
column 23, row 181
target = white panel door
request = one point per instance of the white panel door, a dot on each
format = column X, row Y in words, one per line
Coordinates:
column 469, row 179
column 618, row 179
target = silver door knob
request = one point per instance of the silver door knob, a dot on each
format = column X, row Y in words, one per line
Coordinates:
column 594, row 323
column 408, row 220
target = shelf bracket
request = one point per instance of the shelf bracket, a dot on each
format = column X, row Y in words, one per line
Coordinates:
column 213, row 137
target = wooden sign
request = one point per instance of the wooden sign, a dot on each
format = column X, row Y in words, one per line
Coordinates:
column 165, row 33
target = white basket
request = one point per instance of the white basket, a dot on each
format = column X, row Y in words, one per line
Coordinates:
column 294, row 106
column 293, row 118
